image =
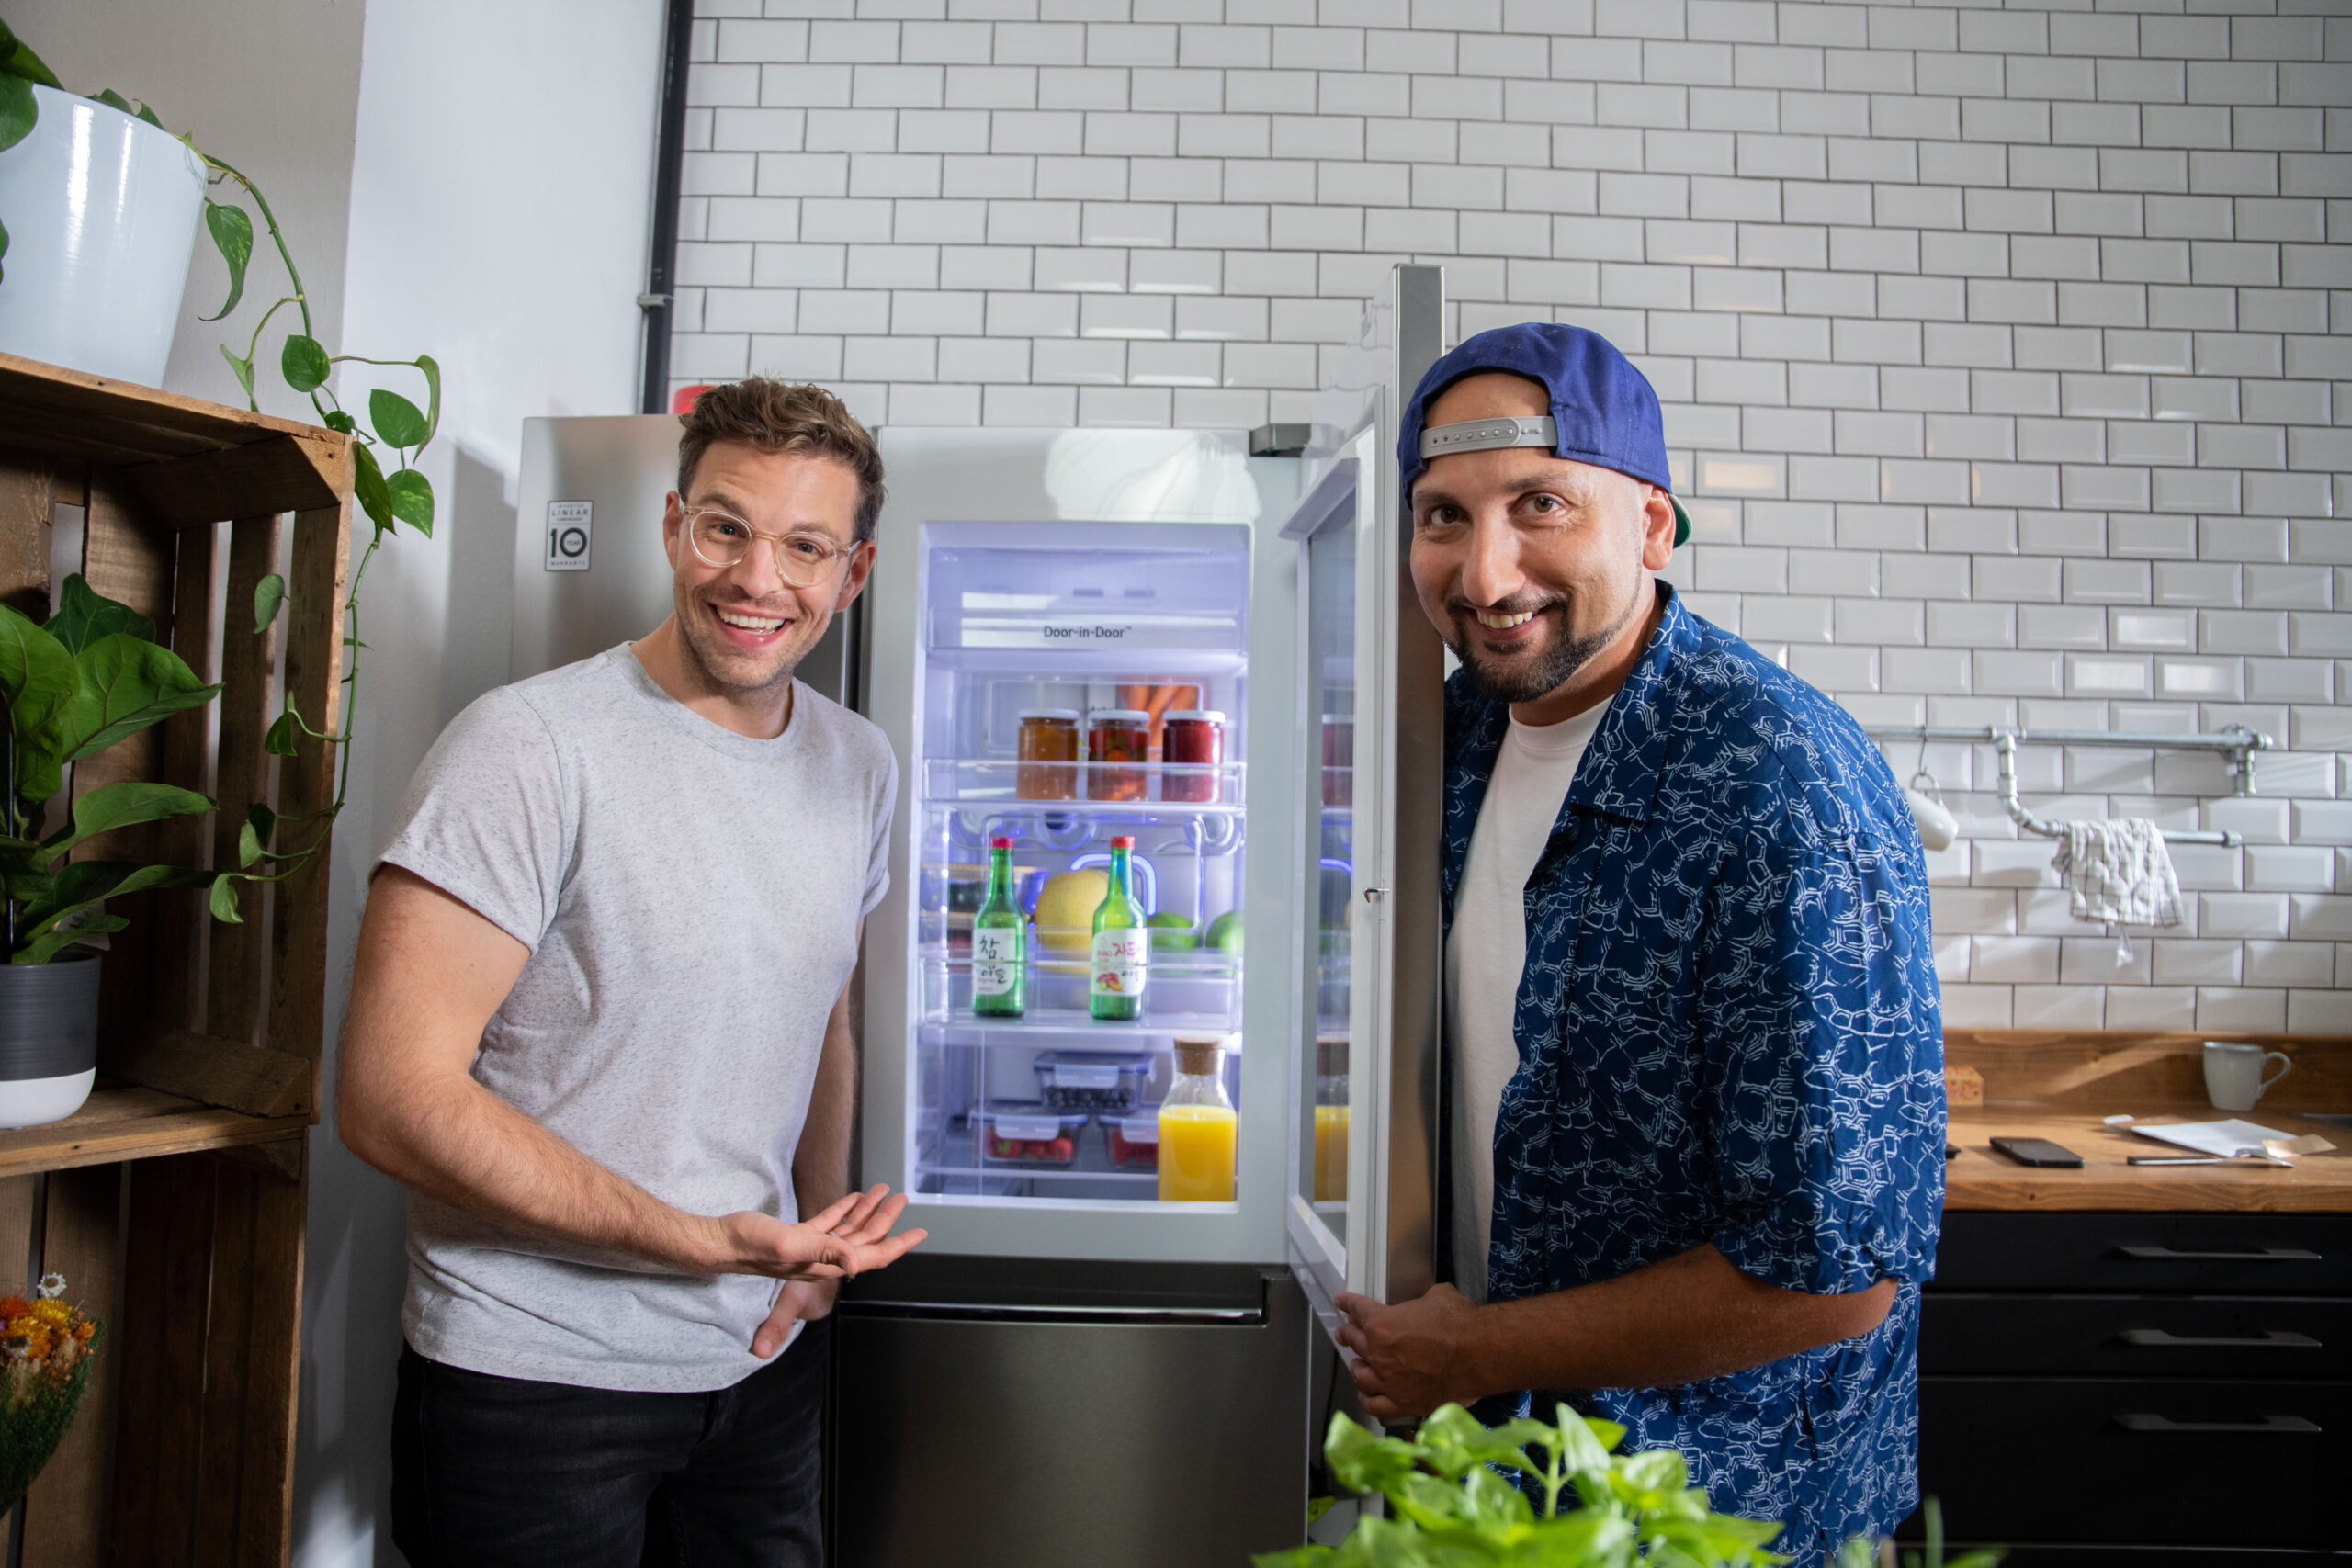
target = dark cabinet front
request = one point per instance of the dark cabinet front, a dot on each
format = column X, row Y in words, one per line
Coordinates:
column 2096, row 1385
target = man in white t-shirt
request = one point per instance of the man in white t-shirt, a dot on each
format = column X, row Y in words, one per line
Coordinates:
column 1692, row 1134
column 599, row 1027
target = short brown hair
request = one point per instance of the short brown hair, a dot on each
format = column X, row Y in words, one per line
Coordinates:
column 785, row 416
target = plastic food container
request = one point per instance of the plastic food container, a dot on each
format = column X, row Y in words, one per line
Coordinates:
column 1081, row 1080
column 1118, row 743
column 1188, row 738
column 1029, row 1134
column 1049, row 736
column 1134, row 1140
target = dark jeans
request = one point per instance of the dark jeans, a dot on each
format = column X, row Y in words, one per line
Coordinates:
column 507, row 1471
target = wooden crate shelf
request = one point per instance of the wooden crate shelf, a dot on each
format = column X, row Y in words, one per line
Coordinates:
column 174, row 1200
column 131, row 1122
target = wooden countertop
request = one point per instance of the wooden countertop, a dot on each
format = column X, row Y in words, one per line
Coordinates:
column 1980, row 1179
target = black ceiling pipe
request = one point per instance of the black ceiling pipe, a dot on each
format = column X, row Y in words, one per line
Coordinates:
column 662, row 266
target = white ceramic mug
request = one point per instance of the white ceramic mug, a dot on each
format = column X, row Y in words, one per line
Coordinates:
column 2234, row 1074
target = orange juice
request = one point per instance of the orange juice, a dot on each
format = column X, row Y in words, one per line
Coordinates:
column 1196, row 1153
column 1330, row 1153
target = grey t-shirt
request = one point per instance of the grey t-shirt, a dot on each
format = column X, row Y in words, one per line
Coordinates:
column 690, row 898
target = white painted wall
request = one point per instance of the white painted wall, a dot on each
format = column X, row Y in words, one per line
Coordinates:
column 500, row 203
column 2003, row 347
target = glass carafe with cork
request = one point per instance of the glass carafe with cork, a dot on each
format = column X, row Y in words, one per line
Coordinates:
column 1331, row 1118
column 1197, row 1126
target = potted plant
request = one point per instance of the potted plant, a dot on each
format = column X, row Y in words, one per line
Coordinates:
column 91, row 676
column 1454, row 1503
column 100, row 212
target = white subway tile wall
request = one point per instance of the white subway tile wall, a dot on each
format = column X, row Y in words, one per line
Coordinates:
column 2007, row 350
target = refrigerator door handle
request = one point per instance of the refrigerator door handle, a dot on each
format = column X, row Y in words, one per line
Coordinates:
column 1001, row 1311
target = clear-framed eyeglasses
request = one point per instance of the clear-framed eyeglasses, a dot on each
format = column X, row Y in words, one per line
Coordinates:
column 802, row 559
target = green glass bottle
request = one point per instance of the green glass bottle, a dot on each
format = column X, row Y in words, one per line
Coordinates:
column 1000, row 942
column 1122, row 946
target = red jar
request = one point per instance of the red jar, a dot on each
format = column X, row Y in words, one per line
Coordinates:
column 1192, row 741
column 1118, row 744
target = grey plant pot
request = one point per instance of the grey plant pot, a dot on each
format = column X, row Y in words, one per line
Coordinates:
column 48, row 1037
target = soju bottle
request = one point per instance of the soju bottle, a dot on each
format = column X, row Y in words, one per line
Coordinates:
column 1122, row 946
column 1000, row 942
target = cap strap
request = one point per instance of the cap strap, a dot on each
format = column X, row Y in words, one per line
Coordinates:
column 1484, row 434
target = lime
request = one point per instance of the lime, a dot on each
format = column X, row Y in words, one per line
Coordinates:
column 1224, row 931
column 1172, row 931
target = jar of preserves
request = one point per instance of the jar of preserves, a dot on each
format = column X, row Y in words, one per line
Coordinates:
column 1118, row 743
column 1049, row 736
column 1192, row 746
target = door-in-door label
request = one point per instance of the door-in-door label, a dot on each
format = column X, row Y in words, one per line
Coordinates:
column 568, row 535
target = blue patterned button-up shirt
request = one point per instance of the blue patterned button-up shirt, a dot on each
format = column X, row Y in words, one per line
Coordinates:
column 1728, row 1032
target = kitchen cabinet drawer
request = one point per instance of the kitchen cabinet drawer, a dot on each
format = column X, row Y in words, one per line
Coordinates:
column 2231, row 1336
column 2305, row 1254
column 2114, row 1459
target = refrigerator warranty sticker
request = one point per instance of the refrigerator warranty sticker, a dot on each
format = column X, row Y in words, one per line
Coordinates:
column 568, row 535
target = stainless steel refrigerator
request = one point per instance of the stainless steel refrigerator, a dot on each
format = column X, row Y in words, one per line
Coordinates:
column 1072, row 1368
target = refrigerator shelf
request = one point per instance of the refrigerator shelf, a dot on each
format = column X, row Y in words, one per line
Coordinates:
column 953, row 781
column 1071, row 1028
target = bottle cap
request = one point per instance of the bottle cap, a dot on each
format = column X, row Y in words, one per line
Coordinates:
column 1118, row 716
column 1123, row 843
column 1000, row 843
column 1196, row 1055
column 1061, row 716
column 1330, row 1054
column 1209, row 716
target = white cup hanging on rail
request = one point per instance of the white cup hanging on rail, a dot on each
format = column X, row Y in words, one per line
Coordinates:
column 1938, row 827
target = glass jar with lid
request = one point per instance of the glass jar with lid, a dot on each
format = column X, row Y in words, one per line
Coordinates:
column 1118, row 744
column 1049, row 736
column 1192, row 747
column 1331, row 1118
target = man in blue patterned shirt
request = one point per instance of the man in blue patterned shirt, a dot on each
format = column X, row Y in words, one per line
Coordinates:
column 1693, row 1133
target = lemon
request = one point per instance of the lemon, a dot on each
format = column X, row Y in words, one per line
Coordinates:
column 1065, row 908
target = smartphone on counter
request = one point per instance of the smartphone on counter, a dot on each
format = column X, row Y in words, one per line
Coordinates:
column 2039, row 1152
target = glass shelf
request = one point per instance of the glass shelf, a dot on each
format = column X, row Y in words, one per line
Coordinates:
column 996, row 781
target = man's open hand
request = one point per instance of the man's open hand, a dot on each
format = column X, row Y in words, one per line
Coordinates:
column 845, row 1238
column 1413, row 1357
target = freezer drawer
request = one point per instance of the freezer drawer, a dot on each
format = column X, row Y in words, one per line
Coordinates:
column 2142, row 1336
column 2239, row 1253
column 1074, row 1426
column 2114, row 1459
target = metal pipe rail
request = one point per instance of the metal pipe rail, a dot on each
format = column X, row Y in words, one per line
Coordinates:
column 2237, row 743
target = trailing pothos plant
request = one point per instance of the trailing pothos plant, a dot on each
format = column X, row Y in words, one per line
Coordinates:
column 395, row 428
column 89, row 677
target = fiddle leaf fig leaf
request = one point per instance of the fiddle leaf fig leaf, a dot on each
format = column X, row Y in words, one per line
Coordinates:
column 122, row 684
column 284, row 736
column 222, row 901
column 17, row 60
column 18, row 110
column 36, row 677
column 398, row 422
column 269, row 597
column 367, row 485
column 304, row 363
column 431, row 369
column 412, row 499
column 232, row 234
column 83, row 615
column 125, row 804
column 243, row 371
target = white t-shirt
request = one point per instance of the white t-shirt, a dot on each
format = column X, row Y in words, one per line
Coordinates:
column 690, row 898
column 1484, row 954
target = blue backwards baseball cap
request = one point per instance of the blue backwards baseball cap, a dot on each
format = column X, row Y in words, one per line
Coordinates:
column 1603, row 411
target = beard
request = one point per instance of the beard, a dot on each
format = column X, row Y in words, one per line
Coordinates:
column 1529, row 677
column 720, row 666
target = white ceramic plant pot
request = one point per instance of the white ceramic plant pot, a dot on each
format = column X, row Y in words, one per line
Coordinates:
column 101, row 211
column 48, row 1037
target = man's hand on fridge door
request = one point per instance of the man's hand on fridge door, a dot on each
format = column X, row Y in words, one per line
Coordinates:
column 800, row 1301
column 1413, row 1357
column 845, row 1238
